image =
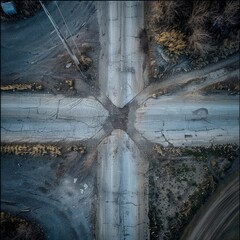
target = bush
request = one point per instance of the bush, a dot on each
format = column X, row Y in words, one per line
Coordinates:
column 172, row 40
column 223, row 21
column 170, row 13
column 200, row 42
column 202, row 23
column 199, row 16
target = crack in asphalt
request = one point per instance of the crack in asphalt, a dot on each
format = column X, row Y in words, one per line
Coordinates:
column 170, row 144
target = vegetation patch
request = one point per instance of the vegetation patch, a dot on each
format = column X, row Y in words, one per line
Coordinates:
column 65, row 85
column 230, row 86
column 40, row 149
column 180, row 181
column 228, row 151
column 172, row 40
column 199, row 31
column 85, row 62
column 22, row 87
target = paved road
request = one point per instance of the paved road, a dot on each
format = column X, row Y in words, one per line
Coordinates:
column 44, row 117
column 121, row 206
column 122, row 72
column 189, row 121
column 122, row 75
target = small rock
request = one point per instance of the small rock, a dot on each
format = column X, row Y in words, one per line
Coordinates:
column 69, row 65
column 154, row 96
column 75, row 180
column 85, row 186
column 213, row 162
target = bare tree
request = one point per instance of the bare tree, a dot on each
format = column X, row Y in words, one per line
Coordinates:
column 200, row 41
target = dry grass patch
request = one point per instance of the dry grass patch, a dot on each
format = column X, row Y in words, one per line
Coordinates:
column 22, row 87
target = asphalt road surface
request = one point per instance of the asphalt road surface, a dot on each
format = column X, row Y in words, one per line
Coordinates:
column 122, row 74
column 121, row 206
column 189, row 121
column 41, row 118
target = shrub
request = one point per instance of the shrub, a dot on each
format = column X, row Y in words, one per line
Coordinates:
column 170, row 13
column 198, row 23
column 172, row 40
column 157, row 12
column 200, row 15
column 200, row 42
column 225, row 19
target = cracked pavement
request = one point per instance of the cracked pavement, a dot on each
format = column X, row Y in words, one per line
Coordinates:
column 122, row 74
column 174, row 120
column 122, row 204
column 41, row 118
column 121, row 195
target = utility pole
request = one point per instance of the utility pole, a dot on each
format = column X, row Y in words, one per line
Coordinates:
column 70, row 52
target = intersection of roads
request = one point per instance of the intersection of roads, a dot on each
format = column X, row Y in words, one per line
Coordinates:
column 186, row 118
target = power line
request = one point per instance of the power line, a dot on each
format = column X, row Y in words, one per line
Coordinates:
column 71, row 37
column 67, row 27
column 63, row 40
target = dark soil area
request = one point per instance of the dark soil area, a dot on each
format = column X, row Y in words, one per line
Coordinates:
column 65, row 78
column 18, row 228
column 61, row 163
column 56, row 191
column 230, row 86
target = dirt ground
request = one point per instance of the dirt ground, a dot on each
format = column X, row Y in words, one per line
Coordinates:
column 53, row 72
column 83, row 83
column 14, row 227
column 180, row 181
column 63, row 184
